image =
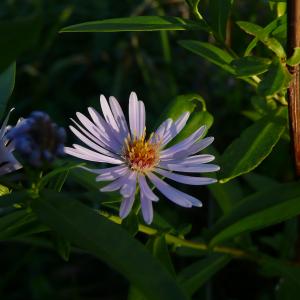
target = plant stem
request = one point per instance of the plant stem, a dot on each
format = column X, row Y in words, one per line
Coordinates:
column 293, row 9
column 181, row 242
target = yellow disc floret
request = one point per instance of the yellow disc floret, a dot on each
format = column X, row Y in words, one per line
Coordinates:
column 141, row 155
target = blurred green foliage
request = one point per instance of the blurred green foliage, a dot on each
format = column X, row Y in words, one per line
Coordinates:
column 63, row 73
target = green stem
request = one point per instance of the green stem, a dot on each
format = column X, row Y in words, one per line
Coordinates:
column 180, row 242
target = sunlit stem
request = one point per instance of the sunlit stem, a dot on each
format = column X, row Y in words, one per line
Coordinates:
column 180, row 242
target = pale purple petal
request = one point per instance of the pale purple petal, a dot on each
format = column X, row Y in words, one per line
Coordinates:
column 92, row 144
column 112, row 174
column 147, row 209
column 133, row 114
column 104, row 170
column 87, row 154
column 142, row 119
column 126, row 206
column 173, row 194
column 130, row 186
column 105, row 128
column 108, row 114
column 145, row 188
column 204, row 168
column 175, row 128
column 183, row 145
column 119, row 116
column 98, row 132
column 161, row 131
column 191, row 160
column 185, row 179
column 98, row 140
column 198, row 146
column 115, row 185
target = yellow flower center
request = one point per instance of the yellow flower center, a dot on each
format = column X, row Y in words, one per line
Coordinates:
column 141, row 155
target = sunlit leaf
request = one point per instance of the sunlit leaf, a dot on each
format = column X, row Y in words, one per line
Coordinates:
column 252, row 147
column 210, row 52
column 295, row 58
column 138, row 23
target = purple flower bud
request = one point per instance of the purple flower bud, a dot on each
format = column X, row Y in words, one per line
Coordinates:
column 37, row 139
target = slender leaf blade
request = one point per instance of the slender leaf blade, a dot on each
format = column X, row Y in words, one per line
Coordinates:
column 218, row 13
column 7, row 84
column 138, row 23
column 209, row 52
column 196, row 275
column 279, row 203
column 109, row 242
column 246, row 152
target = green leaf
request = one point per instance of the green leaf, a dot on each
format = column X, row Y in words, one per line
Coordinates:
column 4, row 190
column 259, row 182
column 226, row 194
column 255, row 143
column 282, row 268
column 218, row 13
column 259, row 210
column 250, row 65
column 7, row 83
column 276, row 79
column 131, row 224
column 11, row 218
column 295, row 58
column 194, row 276
column 62, row 246
column 263, row 35
column 209, row 52
column 16, row 37
column 109, row 242
column 159, row 249
column 139, row 23
column 199, row 116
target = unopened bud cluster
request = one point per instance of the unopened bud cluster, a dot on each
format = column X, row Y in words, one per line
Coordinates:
column 37, row 139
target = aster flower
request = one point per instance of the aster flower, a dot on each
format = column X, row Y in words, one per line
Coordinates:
column 37, row 139
column 8, row 162
column 138, row 159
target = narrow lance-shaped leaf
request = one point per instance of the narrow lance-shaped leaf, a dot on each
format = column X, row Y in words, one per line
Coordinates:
column 109, row 242
column 218, row 13
column 276, row 79
column 250, row 65
column 210, row 52
column 139, row 23
column 252, row 147
column 263, row 35
column 7, row 83
column 279, row 203
column 196, row 275
column 295, row 58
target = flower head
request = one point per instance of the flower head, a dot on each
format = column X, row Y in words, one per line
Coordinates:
column 8, row 163
column 37, row 139
column 138, row 159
